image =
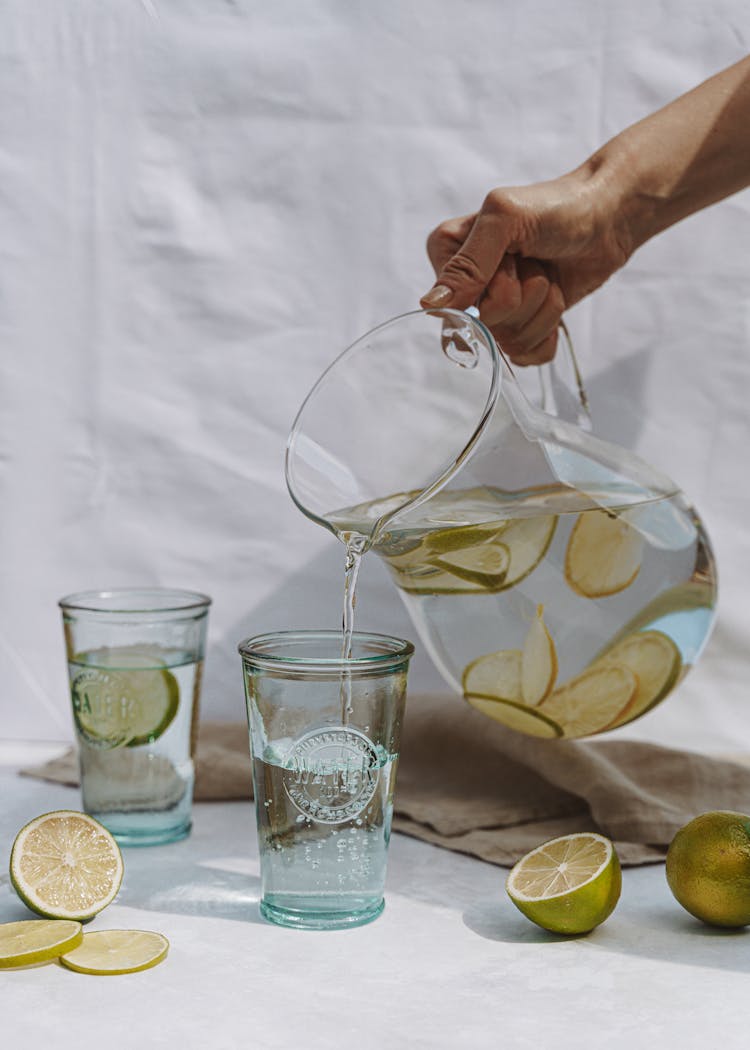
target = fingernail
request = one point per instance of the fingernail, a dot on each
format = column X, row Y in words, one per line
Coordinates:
column 440, row 295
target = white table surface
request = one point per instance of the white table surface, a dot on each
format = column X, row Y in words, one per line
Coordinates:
column 450, row 963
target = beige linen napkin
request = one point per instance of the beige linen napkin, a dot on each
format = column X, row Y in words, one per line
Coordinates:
column 468, row 784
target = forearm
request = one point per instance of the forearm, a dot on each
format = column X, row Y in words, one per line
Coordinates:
column 688, row 155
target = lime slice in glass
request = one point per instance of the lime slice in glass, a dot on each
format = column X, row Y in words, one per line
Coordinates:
column 568, row 885
column 65, row 865
column 122, row 705
column 37, row 940
column 117, row 951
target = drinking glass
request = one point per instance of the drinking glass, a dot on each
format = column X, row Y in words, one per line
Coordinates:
column 324, row 738
column 134, row 660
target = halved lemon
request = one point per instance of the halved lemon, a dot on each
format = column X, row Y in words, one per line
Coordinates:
column 655, row 661
column 37, row 940
column 120, row 698
column 593, row 701
column 106, row 952
column 524, row 719
column 496, row 675
column 603, row 556
column 538, row 661
column 567, row 885
column 65, row 865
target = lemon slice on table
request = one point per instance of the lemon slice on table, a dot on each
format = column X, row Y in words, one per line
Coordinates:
column 603, row 556
column 567, row 885
column 65, row 865
column 655, row 661
column 496, row 675
column 115, row 706
column 593, row 701
column 37, row 940
column 524, row 719
column 106, row 952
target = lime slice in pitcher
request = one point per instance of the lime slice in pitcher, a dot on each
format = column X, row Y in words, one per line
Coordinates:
column 496, row 675
column 524, row 719
column 603, row 556
column 538, row 661
column 527, row 539
column 120, row 698
column 486, row 565
column 655, row 661
column 593, row 701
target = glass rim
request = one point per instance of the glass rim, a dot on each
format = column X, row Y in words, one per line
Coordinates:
column 258, row 650
column 441, row 477
column 163, row 600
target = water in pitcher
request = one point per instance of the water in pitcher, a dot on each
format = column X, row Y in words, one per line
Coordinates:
column 556, row 613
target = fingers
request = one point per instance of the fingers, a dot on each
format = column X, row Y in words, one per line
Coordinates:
column 464, row 275
column 522, row 307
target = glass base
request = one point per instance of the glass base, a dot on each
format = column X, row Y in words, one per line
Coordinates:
column 320, row 919
column 142, row 836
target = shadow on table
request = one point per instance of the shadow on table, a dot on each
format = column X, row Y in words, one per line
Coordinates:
column 212, row 874
column 650, row 932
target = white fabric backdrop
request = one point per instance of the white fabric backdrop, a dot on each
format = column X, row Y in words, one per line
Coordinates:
column 203, row 201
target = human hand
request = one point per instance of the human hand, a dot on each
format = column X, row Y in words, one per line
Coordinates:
column 526, row 256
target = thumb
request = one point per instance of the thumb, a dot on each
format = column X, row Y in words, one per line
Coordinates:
column 466, row 274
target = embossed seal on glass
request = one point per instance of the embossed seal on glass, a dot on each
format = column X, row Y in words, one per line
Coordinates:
column 331, row 774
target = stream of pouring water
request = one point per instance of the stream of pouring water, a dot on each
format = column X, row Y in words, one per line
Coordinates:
column 356, row 545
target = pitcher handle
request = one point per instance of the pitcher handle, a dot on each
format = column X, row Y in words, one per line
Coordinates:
column 557, row 398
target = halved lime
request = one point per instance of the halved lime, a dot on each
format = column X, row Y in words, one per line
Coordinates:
column 593, row 701
column 37, row 940
column 603, row 556
column 105, row 952
column 524, row 719
column 65, row 865
column 120, row 698
column 567, row 885
column 655, row 661
column 496, row 675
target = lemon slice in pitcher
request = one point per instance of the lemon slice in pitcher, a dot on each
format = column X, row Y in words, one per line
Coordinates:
column 524, row 719
column 105, row 952
column 655, row 661
column 593, row 701
column 538, row 661
column 31, row 941
column 496, row 675
column 603, row 556
column 65, row 865
column 485, row 565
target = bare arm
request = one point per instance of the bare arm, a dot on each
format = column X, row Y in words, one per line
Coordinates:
column 531, row 252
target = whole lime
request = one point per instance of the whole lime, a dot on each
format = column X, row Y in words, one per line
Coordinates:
column 708, row 868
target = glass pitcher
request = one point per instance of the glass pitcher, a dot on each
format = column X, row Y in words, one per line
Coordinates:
column 559, row 583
